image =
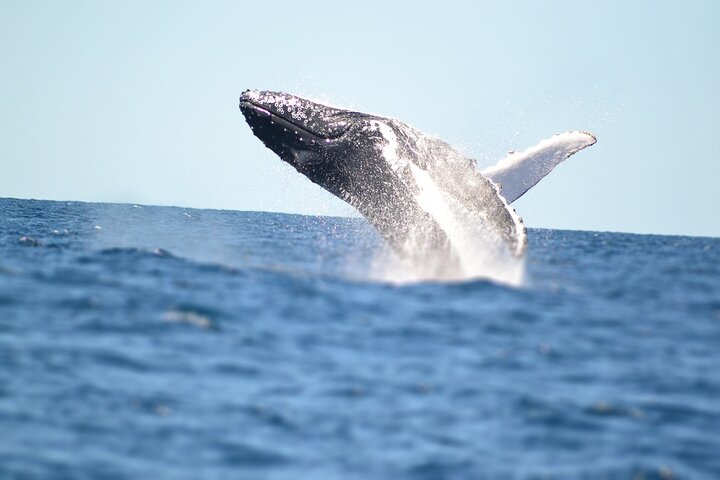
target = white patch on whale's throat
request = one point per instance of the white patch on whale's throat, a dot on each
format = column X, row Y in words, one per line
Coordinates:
column 391, row 148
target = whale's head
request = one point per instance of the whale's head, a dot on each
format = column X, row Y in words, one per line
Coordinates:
column 303, row 133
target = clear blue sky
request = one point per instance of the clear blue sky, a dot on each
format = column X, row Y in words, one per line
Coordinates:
column 136, row 101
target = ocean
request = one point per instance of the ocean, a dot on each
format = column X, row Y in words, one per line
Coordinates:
column 174, row 343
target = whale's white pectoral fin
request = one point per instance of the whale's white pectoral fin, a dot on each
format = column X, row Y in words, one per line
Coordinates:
column 520, row 171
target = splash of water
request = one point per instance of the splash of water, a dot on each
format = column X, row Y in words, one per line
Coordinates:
column 475, row 247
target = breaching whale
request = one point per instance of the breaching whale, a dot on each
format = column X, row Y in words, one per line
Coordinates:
column 426, row 199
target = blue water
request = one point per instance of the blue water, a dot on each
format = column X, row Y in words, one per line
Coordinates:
column 157, row 342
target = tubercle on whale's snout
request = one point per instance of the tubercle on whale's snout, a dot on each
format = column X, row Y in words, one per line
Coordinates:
column 249, row 95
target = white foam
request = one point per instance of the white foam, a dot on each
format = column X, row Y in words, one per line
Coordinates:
column 478, row 253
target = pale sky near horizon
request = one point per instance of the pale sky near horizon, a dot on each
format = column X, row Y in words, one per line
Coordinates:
column 137, row 101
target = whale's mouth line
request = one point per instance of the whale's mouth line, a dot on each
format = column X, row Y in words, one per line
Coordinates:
column 282, row 121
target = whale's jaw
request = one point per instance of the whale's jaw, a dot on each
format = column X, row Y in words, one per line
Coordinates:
column 297, row 129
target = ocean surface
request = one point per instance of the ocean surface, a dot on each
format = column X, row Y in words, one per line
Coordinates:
column 168, row 343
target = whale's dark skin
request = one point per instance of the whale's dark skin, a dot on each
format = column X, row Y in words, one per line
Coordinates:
column 372, row 162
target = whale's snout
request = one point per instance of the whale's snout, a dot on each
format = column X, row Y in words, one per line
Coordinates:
column 281, row 123
column 307, row 119
column 295, row 128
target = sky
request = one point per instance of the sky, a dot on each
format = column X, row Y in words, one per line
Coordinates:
column 137, row 101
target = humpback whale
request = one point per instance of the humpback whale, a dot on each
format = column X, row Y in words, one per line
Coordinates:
column 425, row 198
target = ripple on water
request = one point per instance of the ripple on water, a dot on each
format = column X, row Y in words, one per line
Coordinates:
column 261, row 347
